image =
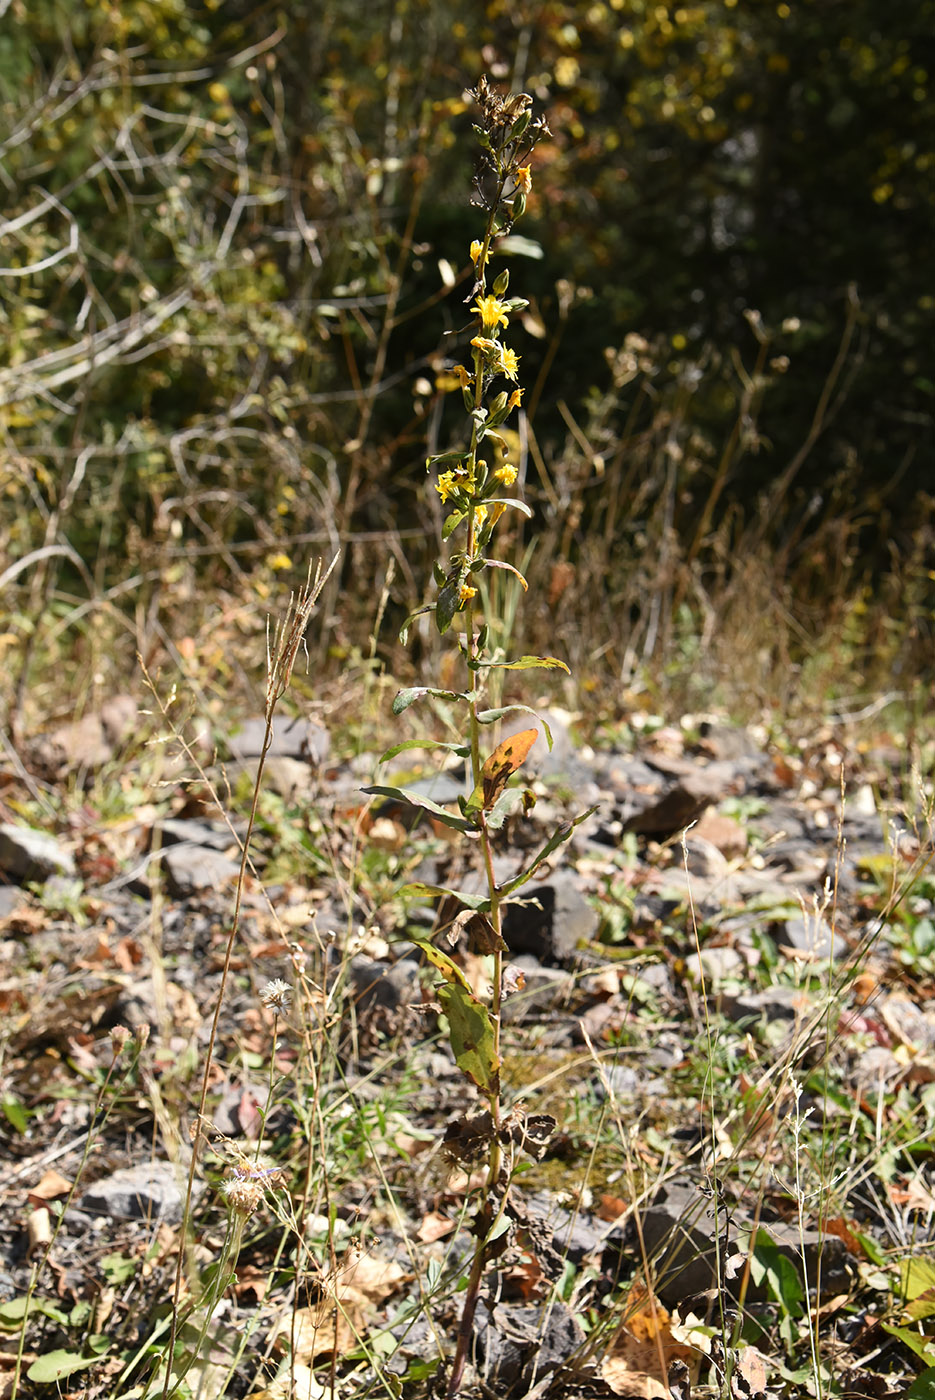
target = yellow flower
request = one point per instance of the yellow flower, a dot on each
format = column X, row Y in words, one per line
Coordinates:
column 466, row 593
column 506, row 474
column 476, row 249
column 489, row 347
column 445, row 484
column 464, row 378
column 509, row 362
column 491, row 311
column 524, row 178
column 480, row 515
column 516, row 399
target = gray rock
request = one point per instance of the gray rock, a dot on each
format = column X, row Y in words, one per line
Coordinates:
column 714, row 966
column 556, row 925
column 172, row 831
column 545, row 987
column 813, row 935
column 385, row 984
column 772, row 1004
column 191, row 870
column 151, row 1191
column 11, row 898
column 517, row 1346
column 680, row 1232
column 27, row 854
column 291, row 738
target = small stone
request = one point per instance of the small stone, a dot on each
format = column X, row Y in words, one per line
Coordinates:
column 721, row 831
column 30, row 855
column 811, row 934
column 190, row 870
column 291, row 738
column 151, row 1191
column 554, row 927
column 772, row 1004
column 715, row 966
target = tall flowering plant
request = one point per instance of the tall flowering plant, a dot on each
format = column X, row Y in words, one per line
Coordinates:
column 476, row 493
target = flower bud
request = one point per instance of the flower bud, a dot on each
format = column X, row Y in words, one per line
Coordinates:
column 502, row 282
column 520, row 126
column 519, row 205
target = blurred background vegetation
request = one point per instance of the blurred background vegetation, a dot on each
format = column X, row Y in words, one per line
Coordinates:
column 233, row 263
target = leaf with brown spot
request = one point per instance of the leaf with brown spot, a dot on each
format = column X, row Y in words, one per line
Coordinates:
column 506, row 758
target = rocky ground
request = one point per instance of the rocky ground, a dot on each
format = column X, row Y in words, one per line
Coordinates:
column 725, row 974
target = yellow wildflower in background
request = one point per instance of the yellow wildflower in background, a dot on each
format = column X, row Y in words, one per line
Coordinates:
column 491, row 311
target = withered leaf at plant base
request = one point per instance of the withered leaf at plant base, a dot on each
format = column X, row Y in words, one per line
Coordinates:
column 467, row 1140
column 504, row 761
column 472, row 1036
column 533, row 1133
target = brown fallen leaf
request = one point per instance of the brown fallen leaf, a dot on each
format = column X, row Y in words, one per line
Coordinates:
column 434, row 1227
column 369, row 1277
column 52, row 1185
column 637, row 1361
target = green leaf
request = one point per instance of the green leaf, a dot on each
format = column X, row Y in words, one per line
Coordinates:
column 782, row 1277
column 449, row 602
column 13, row 1311
column 452, row 522
column 117, row 1268
column 917, row 1277
column 425, row 803
column 923, row 1387
column 404, row 630
column 56, row 1365
column 418, row 889
column 528, row 663
column 491, row 717
column 923, row 1347
column 444, row 459
column 462, row 750
column 558, row 838
column 14, row 1113
column 503, row 807
column 405, row 698
column 472, row 1036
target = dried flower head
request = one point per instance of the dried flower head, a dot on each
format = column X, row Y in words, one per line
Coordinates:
column 118, row 1039
column 275, row 996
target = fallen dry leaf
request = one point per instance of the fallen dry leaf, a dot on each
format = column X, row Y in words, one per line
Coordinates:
column 637, row 1362
column 52, row 1184
column 751, row 1368
column 369, row 1277
column 434, row 1227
